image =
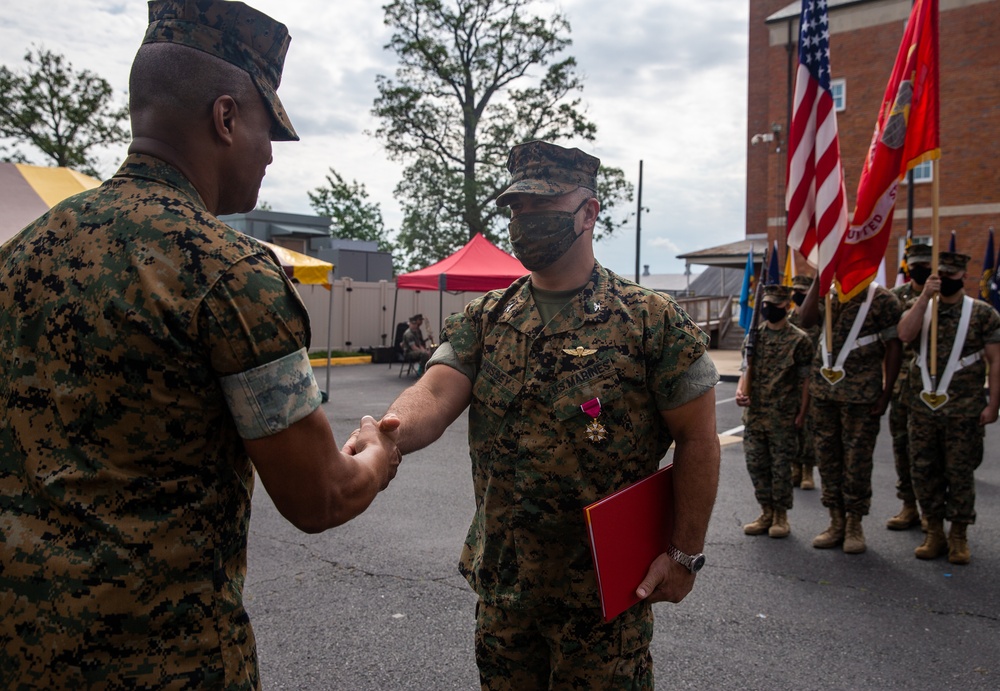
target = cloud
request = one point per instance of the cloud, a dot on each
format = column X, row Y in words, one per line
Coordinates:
column 664, row 81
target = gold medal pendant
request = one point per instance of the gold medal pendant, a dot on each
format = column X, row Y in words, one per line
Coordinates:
column 596, row 432
column 933, row 400
column 832, row 374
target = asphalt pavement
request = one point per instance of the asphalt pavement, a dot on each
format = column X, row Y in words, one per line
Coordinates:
column 378, row 603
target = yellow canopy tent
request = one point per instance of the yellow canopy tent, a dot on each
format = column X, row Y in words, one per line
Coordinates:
column 309, row 271
column 27, row 192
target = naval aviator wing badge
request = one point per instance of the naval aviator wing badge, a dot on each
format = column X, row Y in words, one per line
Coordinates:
column 579, row 351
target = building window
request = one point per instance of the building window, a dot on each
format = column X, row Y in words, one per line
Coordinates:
column 921, row 173
column 839, row 89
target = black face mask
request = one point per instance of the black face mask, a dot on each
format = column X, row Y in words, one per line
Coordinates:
column 920, row 273
column 950, row 286
column 773, row 313
column 798, row 298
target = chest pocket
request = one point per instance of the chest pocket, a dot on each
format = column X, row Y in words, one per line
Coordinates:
column 607, row 388
column 495, row 389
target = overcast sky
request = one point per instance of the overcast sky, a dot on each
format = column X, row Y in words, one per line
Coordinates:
column 664, row 81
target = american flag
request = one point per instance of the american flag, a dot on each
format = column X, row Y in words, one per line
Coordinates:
column 815, row 199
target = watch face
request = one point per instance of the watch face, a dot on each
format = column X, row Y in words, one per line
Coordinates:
column 697, row 563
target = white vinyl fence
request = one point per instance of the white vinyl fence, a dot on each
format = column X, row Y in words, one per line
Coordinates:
column 362, row 312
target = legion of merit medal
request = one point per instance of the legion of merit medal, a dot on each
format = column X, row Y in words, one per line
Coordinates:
column 595, row 430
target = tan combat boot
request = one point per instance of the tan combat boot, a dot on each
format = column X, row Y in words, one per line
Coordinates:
column 763, row 522
column 854, row 536
column 958, row 546
column 796, row 474
column 779, row 527
column 935, row 543
column 907, row 517
column 807, row 477
column 834, row 534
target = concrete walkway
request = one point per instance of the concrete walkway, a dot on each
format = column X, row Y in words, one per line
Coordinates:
column 728, row 364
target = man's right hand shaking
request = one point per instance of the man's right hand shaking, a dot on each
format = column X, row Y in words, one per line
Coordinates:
column 377, row 439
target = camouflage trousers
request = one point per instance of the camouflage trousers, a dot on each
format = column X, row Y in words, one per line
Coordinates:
column 844, row 436
column 771, row 445
column 563, row 648
column 807, row 452
column 944, row 454
column 899, row 415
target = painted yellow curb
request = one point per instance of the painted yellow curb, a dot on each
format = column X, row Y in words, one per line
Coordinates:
column 334, row 362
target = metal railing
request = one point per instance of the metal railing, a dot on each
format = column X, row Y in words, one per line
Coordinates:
column 711, row 313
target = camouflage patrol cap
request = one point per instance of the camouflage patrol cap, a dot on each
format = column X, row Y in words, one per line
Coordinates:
column 234, row 32
column 952, row 262
column 918, row 254
column 802, row 282
column 548, row 170
column 777, row 293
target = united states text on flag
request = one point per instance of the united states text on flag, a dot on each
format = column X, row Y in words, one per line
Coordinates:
column 815, row 198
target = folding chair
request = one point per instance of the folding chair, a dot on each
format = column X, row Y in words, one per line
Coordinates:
column 397, row 349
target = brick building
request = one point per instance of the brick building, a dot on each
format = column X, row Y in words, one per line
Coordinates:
column 865, row 37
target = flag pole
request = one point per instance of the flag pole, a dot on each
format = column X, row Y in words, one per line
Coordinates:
column 935, row 199
column 827, row 317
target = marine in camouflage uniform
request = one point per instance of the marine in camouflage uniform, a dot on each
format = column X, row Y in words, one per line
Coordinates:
column 147, row 347
column 918, row 260
column 802, row 466
column 569, row 393
column 845, row 414
column 777, row 379
column 414, row 348
column 946, row 433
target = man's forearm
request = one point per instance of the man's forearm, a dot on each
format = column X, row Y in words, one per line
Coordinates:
column 912, row 321
column 427, row 408
column 696, row 481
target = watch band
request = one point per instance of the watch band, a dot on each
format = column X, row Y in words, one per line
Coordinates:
column 692, row 562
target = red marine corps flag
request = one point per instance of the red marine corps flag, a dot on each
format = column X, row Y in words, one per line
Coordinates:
column 815, row 198
column 906, row 134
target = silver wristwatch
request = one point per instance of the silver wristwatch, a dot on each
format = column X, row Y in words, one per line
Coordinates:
column 693, row 562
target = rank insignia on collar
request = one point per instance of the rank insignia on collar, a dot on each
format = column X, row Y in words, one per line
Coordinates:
column 579, row 351
column 596, row 307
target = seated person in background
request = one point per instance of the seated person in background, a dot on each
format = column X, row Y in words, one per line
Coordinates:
column 414, row 348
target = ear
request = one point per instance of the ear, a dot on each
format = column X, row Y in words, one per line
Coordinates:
column 590, row 213
column 224, row 112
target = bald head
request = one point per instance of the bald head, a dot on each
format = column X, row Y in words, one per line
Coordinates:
column 173, row 86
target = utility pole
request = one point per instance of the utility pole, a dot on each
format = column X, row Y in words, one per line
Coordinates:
column 638, row 225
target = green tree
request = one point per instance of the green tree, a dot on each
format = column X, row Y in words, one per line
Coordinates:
column 63, row 114
column 353, row 216
column 465, row 91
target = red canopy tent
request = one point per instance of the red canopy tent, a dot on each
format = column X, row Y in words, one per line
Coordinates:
column 479, row 266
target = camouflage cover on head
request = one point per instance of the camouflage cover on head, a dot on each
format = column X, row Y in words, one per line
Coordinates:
column 952, row 262
column 919, row 254
column 548, row 170
column 802, row 282
column 777, row 293
column 234, row 32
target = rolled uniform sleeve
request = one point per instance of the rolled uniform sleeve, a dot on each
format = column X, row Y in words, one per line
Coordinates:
column 257, row 331
column 683, row 371
column 698, row 379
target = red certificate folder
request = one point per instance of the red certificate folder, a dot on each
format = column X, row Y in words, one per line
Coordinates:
column 628, row 530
